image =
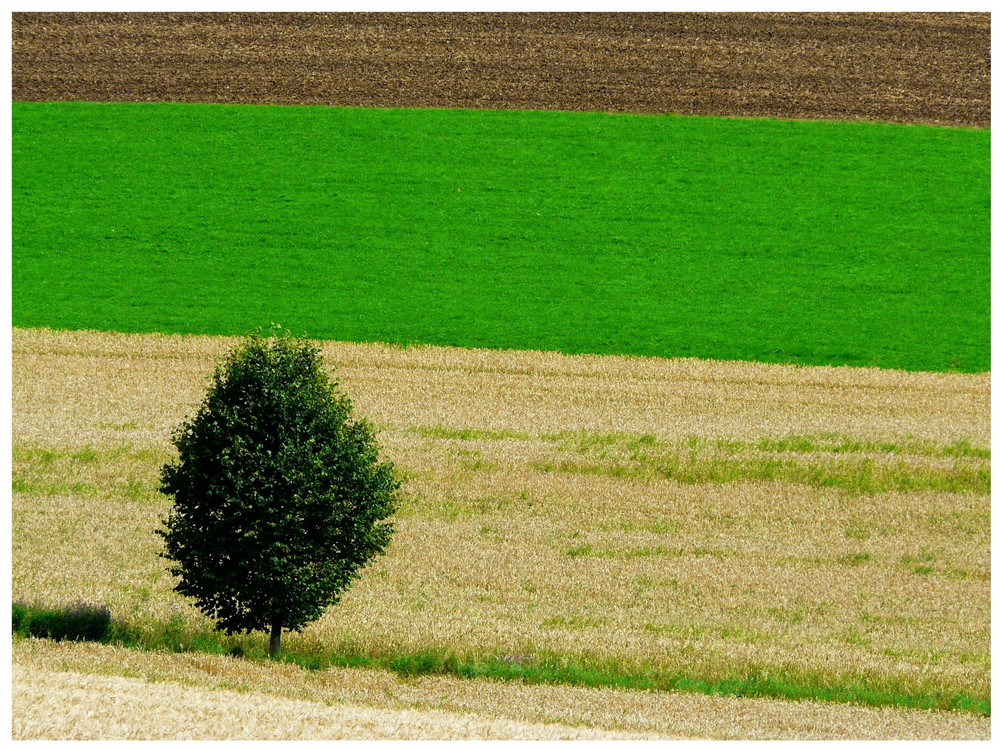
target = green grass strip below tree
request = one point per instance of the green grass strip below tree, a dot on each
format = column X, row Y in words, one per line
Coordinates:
column 44, row 621
column 814, row 242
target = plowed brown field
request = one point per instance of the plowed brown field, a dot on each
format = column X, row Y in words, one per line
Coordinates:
column 909, row 67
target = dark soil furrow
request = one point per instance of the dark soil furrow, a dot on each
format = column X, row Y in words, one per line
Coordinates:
column 910, row 67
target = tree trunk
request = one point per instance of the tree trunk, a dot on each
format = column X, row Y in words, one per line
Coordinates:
column 275, row 637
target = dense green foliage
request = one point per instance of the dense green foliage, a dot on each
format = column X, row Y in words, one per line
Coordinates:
column 279, row 497
column 808, row 242
column 80, row 621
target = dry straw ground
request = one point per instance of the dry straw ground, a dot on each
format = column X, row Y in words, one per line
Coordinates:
column 898, row 67
column 72, row 706
column 706, row 517
column 560, row 709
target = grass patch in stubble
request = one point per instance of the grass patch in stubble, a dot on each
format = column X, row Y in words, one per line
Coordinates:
column 122, row 473
column 695, row 460
column 660, row 550
column 866, row 476
column 34, row 454
column 39, row 470
column 830, row 442
column 442, row 432
column 836, row 443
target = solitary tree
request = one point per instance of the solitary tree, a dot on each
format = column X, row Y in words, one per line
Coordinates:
column 279, row 496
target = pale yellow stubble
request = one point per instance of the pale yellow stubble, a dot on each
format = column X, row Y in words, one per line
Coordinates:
column 71, row 706
column 492, row 554
column 633, row 712
column 90, row 387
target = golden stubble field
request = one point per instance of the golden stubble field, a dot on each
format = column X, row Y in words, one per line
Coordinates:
column 67, row 705
column 818, row 524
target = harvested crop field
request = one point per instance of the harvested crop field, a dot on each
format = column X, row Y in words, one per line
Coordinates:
column 71, row 706
column 913, row 67
column 548, row 711
column 804, row 529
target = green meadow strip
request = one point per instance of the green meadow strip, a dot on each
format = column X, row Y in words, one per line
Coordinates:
column 88, row 622
column 720, row 238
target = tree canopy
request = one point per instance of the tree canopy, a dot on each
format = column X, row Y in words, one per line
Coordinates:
column 280, row 497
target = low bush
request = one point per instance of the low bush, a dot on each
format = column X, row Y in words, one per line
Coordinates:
column 80, row 621
column 19, row 612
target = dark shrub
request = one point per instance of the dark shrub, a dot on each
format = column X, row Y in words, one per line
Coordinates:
column 79, row 621
column 45, row 623
column 86, row 622
column 18, row 612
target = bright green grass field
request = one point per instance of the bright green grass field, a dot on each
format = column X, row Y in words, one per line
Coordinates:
column 807, row 242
